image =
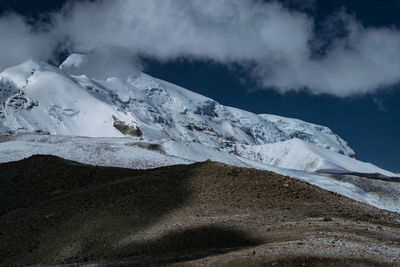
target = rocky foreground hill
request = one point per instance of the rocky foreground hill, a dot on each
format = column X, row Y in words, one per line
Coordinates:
column 54, row 211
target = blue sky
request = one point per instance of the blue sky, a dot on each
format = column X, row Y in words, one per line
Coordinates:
column 370, row 122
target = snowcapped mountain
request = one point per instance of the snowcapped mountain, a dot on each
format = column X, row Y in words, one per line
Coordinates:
column 40, row 98
column 143, row 122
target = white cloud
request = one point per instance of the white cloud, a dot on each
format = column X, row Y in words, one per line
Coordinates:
column 274, row 41
column 19, row 41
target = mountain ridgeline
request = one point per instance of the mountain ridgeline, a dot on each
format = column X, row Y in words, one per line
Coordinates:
column 40, row 98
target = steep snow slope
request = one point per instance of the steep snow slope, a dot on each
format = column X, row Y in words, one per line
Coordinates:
column 311, row 133
column 42, row 99
column 38, row 97
column 300, row 155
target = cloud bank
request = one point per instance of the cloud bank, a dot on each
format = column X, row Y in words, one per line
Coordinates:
column 278, row 47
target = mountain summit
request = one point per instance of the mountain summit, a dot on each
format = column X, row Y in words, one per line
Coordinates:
column 40, row 98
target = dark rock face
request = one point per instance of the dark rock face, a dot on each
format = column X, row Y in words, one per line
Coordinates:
column 126, row 129
column 207, row 109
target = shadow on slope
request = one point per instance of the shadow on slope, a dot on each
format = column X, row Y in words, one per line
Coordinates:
column 55, row 211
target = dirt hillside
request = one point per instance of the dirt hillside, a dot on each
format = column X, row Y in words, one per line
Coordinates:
column 54, row 211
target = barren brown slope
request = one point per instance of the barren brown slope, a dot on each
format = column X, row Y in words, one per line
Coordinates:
column 54, row 211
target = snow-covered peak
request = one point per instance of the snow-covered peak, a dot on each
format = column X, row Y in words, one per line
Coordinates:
column 20, row 73
column 74, row 62
column 38, row 97
column 75, row 104
column 44, row 99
